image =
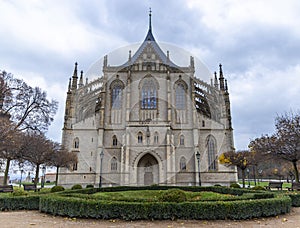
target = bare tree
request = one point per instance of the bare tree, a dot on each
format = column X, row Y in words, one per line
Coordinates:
column 285, row 143
column 35, row 149
column 26, row 107
column 61, row 158
column 242, row 159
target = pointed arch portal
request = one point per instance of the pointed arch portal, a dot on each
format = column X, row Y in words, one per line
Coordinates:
column 148, row 170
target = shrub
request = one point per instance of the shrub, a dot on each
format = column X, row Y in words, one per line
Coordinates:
column 19, row 192
column 218, row 185
column 235, row 185
column 76, row 186
column 259, row 188
column 30, row 202
column 295, row 199
column 57, row 189
column 90, row 186
column 172, row 195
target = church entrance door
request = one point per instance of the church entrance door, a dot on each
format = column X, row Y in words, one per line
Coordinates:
column 148, row 172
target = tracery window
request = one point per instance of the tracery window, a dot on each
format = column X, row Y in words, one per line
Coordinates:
column 180, row 98
column 211, row 153
column 114, row 164
column 116, row 94
column 149, row 94
column 182, row 163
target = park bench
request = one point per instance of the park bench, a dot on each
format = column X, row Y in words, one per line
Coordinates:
column 6, row 188
column 295, row 186
column 28, row 187
column 277, row 185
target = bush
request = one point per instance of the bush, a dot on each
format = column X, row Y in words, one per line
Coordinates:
column 295, row 199
column 57, row 189
column 20, row 203
column 259, row 188
column 19, row 192
column 244, row 209
column 76, row 186
column 235, row 185
column 172, row 195
column 90, row 186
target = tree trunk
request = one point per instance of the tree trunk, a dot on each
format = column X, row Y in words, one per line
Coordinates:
column 36, row 179
column 296, row 171
column 243, row 177
column 56, row 177
column 6, row 171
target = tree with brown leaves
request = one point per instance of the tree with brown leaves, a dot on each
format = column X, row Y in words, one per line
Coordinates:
column 242, row 159
column 60, row 157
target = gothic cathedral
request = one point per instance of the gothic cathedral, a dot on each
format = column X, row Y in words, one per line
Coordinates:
column 147, row 121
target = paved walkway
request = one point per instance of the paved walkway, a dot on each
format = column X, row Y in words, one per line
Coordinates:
column 24, row 219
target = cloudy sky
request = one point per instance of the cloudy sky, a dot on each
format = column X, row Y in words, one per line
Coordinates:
column 258, row 43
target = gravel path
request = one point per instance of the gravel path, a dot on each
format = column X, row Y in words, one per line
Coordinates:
column 24, row 219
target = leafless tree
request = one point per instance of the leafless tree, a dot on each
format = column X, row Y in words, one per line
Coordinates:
column 26, row 107
column 284, row 143
column 35, row 149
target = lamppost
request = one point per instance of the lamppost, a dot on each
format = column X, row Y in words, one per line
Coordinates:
column 198, row 159
column 248, row 172
column 21, row 177
column 43, row 176
column 101, row 159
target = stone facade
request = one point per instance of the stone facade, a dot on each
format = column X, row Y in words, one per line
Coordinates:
column 149, row 118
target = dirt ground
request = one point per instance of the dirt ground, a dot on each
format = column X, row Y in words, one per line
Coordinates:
column 24, row 219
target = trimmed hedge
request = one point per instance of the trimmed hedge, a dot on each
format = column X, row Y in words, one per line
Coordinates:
column 295, row 199
column 20, row 203
column 244, row 209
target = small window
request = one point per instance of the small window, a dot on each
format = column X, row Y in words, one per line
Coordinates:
column 181, row 141
column 203, row 123
column 182, row 163
column 90, row 169
column 140, row 137
column 115, row 141
column 156, row 138
column 74, row 168
column 91, row 153
column 114, row 164
column 92, row 139
column 76, row 143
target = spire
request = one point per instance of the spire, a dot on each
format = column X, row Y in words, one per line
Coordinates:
column 69, row 88
column 75, row 78
column 81, row 79
column 150, row 36
column 226, row 87
column 216, row 81
column 221, row 78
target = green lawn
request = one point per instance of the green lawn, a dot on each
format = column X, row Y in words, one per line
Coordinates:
column 264, row 184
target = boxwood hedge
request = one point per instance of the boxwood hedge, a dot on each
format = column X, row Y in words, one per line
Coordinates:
column 88, row 208
column 19, row 203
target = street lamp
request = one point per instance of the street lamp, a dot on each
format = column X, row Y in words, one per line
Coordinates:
column 198, row 159
column 43, row 176
column 248, row 172
column 21, row 177
column 101, row 159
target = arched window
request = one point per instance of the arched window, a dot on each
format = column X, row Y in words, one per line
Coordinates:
column 76, row 143
column 180, row 98
column 114, row 140
column 156, row 138
column 211, row 153
column 149, row 94
column 181, row 140
column 140, row 137
column 116, row 94
column 182, row 163
column 114, row 164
